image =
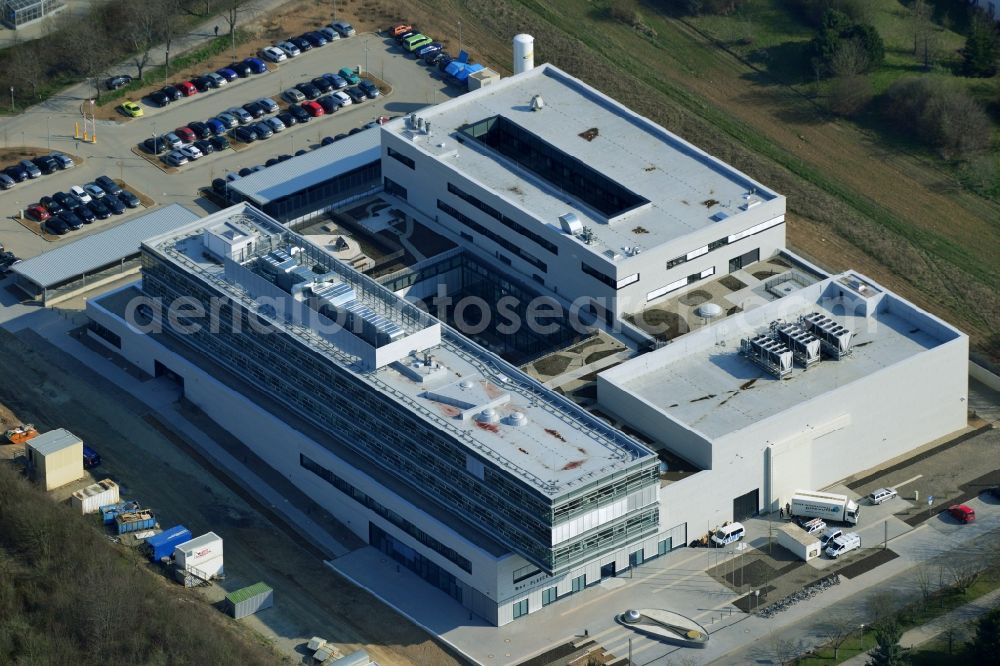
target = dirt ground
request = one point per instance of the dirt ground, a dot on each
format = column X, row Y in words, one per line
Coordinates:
column 42, row 385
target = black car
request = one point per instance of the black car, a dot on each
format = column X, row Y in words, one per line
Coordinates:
column 219, row 142
column 403, row 35
column 70, row 219
column 300, row 114
column 108, row 185
column 327, row 140
column 339, row 137
column 203, row 83
column 263, row 130
column 159, row 98
column 200, row 129
column 324, row 84
column 286, row 118
column 173, row 93
column 355, row 94
column 434, row 57
column 17, row 173
column 205, row 147
column 114, row 204
column 100, row 210
column 255, row 109
column 444, row 62
column 245, row 134
column 220, row 185
column 154, row 146
column 329, row 104
column 284, row 157
column 271, row 162
column 129, row 199
column 51, row 205
column 314, row 38
column 46, row 163
column 119, row 81
column 301, row 42
column 245, row 171
column 242, row 69
column 355, row 130
column 56, row 226
column 85, row 214
column 301, row 151
column 67, row 201
column 308, row 89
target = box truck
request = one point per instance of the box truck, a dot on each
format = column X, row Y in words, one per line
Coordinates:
column 802, row 545
column 828, row 506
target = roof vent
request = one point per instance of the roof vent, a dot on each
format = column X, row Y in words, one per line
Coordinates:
column 537, row 103
column 465, row 384
column 488, row 415
column 517, row 419
column 570, row 223
column 751, row 200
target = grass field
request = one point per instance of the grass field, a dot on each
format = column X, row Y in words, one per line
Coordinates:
column 854, row 200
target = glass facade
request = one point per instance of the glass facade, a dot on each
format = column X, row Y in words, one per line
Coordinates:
column 414, row 561
column 20, row 12
column 311, row 198
column 521, row 608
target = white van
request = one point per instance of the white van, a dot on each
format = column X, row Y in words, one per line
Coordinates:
column 843, row 544
column 828, row 534
column 728, row 534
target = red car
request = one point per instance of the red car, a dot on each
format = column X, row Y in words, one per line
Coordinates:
column 38, row 213
column 187, row 88
column 962, row 513
column 186, row 134
column 313, row 108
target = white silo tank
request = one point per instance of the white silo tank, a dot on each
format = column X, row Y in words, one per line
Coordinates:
column 524, row 53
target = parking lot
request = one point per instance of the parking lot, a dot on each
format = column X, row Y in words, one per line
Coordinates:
column 413, row 86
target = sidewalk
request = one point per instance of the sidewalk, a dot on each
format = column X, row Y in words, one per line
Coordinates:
column 966, row 614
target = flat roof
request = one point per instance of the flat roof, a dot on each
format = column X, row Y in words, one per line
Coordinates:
column 310, row 169
column 703, row 382
column 533, row 433
column 90, row 253
column 53, row 441
column 682, row 186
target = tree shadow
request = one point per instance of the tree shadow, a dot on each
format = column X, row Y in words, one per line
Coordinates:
column 788, row 63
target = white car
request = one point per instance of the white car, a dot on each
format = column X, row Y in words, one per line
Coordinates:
column 191, row 152
column 342, row 98
column 175, row 158
column 881, row 495
column 80, row 194
column 275, row 124
column 291, row 50
column 273, row 53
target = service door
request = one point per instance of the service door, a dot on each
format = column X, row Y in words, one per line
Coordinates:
column 746, row 506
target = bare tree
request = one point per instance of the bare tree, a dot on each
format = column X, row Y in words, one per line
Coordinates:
column 784, row 649
column 233, row 10
column 850, row 59
column 963, row 572
column 838, row 630
column 922, row 576
column 142, row 29
column 26, row 70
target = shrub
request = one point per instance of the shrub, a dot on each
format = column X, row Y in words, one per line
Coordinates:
column 979, row 55
column 838, row 36
column 940, row 114
column 696, row 7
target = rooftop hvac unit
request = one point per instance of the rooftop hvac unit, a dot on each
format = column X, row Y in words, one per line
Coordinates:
column 834, row 338
column 570, row 223
column 768, row 353
column 804, row 345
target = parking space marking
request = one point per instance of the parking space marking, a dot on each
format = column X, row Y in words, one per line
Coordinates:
column 903, row 483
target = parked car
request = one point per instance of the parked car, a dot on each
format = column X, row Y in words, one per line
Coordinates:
column 845, row 543
column 284, row 157
column 314, row 38
column 202, row 84
column 46, row 164
column 243, row 69
column 262, row 131
column 31, row 168
column 56, row 226
column 343, row 98
column 228, row 73
column 244, row 172
column 350, row 75
column 444, row 61
column 175, row 158
column 728, row 534
column 241, row 115
column 129, row 199
column 85, row 214
column 38, row 212
column 322, row 84
column 159, row 98
column 118, row 81
column 301, row 115
column 293, row 95
column 186, row 134
column 187, row 88
column 340, row 136
column 205, row 146
column 94, row 190
column 273, row 53
column 994, row 492
column 64, row 161
column 286, row 118
column 275, row 124
column 90, row 458
column 219, row 142
column 17, row 173
column 881, row 495
column 270, row 106
column 301, row 43
column 98, row 209
column 228, row 120
column 338, row 82
column 344, row 28
column 329, row 34
column 51, row 205
column 355, row 94
column 329, row 104
column 200, row 129
column 368, row 88
column 417, row 41
column 257, row 66
column 71, row 220
column 962, row 513
column 399, row 38
column 131, row 109
column 255, row 109
column 220, row 186
column 289, row 49
column 217, row 79
column 80, row 194
column 313, row 109
column 191, row 152
column 67, row 200
column 434, row 57
column 173, row 92
column 400, row 29
column 309, row 90
column 215, row 126
column 430, row 49
column 327, row 140
column 301, row 151
column 114, row 204
column 108, row 185
column 245, row 134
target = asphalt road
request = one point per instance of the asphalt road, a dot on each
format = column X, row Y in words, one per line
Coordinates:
column 413, row 86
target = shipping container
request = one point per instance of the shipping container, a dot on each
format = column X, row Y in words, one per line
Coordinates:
column 200, row 549
column 93, row 497
column 134, row 521
column 163, row 544
column 249, row 600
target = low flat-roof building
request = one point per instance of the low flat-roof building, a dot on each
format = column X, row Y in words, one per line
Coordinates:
column 55, row 458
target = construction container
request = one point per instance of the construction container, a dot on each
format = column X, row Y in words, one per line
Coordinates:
column 93, row 497
column 135, row 521
column 249, row 600
column 357, row 658
column 163, row 544
column 55, row 458
column 201, row 556
column 798, row 542
column 111, row 511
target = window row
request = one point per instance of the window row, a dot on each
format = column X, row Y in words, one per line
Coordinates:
column 503, row 219
column 400, row 157
column 716, row 244
column 511, row 247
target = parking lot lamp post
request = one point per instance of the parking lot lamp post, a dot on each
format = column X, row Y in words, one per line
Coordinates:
column 166, row 67
column 12, row 99
column 459, row 36
column 48, row 132
column 366, row 54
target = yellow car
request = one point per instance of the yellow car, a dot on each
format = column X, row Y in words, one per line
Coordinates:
column 131, row 109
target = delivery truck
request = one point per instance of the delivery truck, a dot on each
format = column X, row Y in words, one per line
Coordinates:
column 828, row 506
